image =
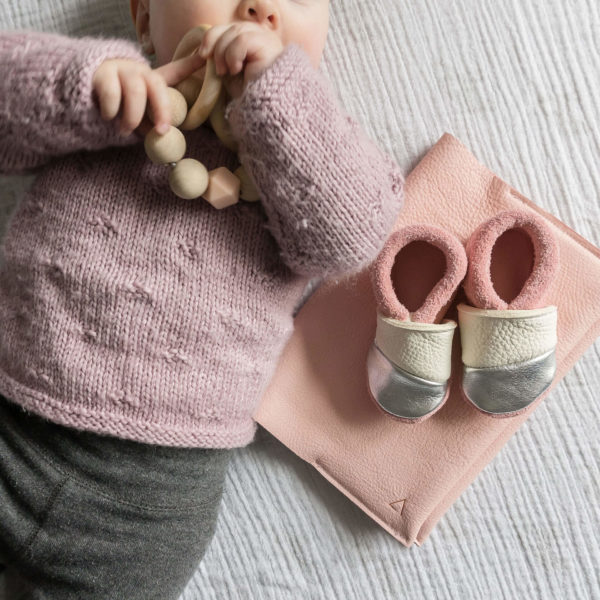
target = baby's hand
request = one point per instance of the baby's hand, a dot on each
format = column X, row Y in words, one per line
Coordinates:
column 131, row 84
column 243, row 46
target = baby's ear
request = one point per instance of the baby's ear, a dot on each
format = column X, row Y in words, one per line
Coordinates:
column 141, row 20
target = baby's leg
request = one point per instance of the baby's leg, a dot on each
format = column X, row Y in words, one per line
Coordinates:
column 89, row 516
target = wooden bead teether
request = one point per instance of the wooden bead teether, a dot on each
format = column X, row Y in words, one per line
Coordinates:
column 200, row 97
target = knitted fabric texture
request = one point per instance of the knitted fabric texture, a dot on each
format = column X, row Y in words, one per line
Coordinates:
column 128, row 311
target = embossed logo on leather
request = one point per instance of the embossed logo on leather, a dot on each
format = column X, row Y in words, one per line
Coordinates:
column 398, row 505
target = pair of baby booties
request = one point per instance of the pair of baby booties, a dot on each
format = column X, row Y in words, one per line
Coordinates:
column 508, row 335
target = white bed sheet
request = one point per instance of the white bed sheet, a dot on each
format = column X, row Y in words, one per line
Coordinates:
column 518, row 82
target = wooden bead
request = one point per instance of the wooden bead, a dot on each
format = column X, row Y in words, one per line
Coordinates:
column 178, row 106
column 167, row 148
column 248, row 191
column 223, row 188
column 189, row 179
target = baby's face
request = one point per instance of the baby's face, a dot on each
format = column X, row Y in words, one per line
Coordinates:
column 165, row 22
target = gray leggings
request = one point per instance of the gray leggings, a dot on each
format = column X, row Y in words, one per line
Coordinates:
column 84, row 516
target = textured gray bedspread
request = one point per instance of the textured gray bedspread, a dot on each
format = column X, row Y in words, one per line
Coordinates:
column 518, row 82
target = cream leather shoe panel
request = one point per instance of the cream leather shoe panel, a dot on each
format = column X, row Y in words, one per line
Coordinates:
column 492, row 338
column 422, row 349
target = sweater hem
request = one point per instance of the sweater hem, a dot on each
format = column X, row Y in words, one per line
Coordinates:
column 103, row 423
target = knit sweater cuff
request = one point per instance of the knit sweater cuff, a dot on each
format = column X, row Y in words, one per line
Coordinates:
column 330, row 194
column 47, row 108
column 269, row 85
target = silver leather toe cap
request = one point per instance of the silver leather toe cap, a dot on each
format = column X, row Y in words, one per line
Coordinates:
column 509, row 388
column 398, row 392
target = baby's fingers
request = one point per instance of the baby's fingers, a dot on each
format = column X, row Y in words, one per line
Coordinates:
column 180, row 69
column 158, row 100
column 134, row 89
column 108, row 91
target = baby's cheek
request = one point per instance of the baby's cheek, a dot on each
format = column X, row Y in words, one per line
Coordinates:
column 313, row 46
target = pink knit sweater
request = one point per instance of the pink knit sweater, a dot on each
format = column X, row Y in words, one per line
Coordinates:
column 125, row 310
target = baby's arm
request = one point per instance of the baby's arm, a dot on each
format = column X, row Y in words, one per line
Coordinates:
column 47, row 108
column 331, row 195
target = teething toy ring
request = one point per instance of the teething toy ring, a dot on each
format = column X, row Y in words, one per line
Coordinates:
column 193, row 101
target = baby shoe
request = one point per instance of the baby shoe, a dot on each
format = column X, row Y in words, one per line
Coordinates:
column 414, row 279
column 509, row 335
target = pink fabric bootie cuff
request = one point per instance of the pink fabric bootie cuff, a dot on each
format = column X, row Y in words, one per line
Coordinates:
column 478, row 283
column 442, row 293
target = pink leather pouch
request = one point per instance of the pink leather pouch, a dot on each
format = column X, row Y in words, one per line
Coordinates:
column 405, row 476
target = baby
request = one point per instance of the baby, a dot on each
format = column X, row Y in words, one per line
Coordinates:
column 140, row 330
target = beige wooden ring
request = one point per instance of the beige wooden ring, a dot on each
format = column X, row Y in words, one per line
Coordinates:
column 190, row 41
column 209, row 94
column 190, row 87
column 211, row 88
column 220, row 125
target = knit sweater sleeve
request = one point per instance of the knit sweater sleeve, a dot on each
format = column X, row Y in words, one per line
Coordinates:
column 331, row 196
column 47, row 106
